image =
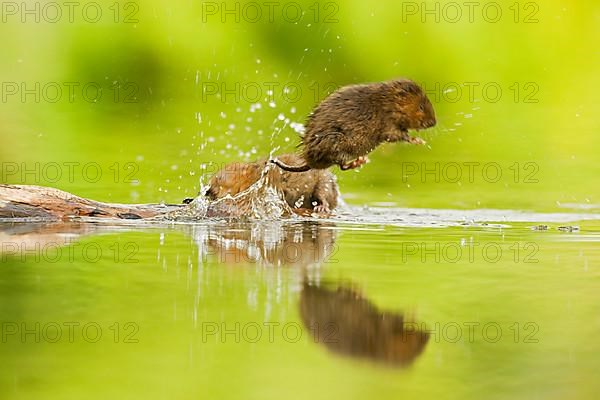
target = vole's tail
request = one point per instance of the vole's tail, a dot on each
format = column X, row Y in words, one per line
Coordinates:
column 290, row 168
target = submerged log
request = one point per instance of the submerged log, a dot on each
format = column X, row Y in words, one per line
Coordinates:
column 44, row 203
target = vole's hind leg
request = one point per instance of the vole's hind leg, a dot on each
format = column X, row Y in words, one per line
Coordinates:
column 326, row 195
column 323, row 205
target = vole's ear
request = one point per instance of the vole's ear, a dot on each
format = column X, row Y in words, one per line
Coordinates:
column 408, row 86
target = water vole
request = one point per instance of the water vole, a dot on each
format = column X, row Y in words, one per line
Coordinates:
column 355, row 119
column 314, row 190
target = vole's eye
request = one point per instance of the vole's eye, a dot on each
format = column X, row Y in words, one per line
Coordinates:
column 422, row 107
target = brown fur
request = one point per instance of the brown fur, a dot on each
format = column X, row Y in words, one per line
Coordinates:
column 348, row 323
column 292, row 245
column 317, row 188
column 355, row 119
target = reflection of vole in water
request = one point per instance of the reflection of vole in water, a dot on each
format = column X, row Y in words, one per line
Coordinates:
column 313, row 190
column 355, row 119
column 347, row 323
column 272, row 244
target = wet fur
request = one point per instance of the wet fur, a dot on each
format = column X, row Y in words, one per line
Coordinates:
column 355, row 119
column 315, row 186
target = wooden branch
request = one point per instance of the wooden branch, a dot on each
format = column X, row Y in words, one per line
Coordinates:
column 37, row 202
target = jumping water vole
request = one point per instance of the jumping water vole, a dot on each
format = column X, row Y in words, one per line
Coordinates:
column 355, row 119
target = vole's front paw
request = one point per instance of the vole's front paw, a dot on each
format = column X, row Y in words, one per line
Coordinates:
column 355, row 164
column 322, row 211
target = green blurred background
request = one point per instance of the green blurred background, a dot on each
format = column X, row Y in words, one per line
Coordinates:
column 158, row 119
column 165, row 124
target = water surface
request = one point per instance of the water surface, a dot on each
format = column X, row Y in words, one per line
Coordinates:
column 436, row 304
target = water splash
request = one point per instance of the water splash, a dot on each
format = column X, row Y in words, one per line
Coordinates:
column 261, row 201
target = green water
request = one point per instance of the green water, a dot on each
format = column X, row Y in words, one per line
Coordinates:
column 214, row 310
